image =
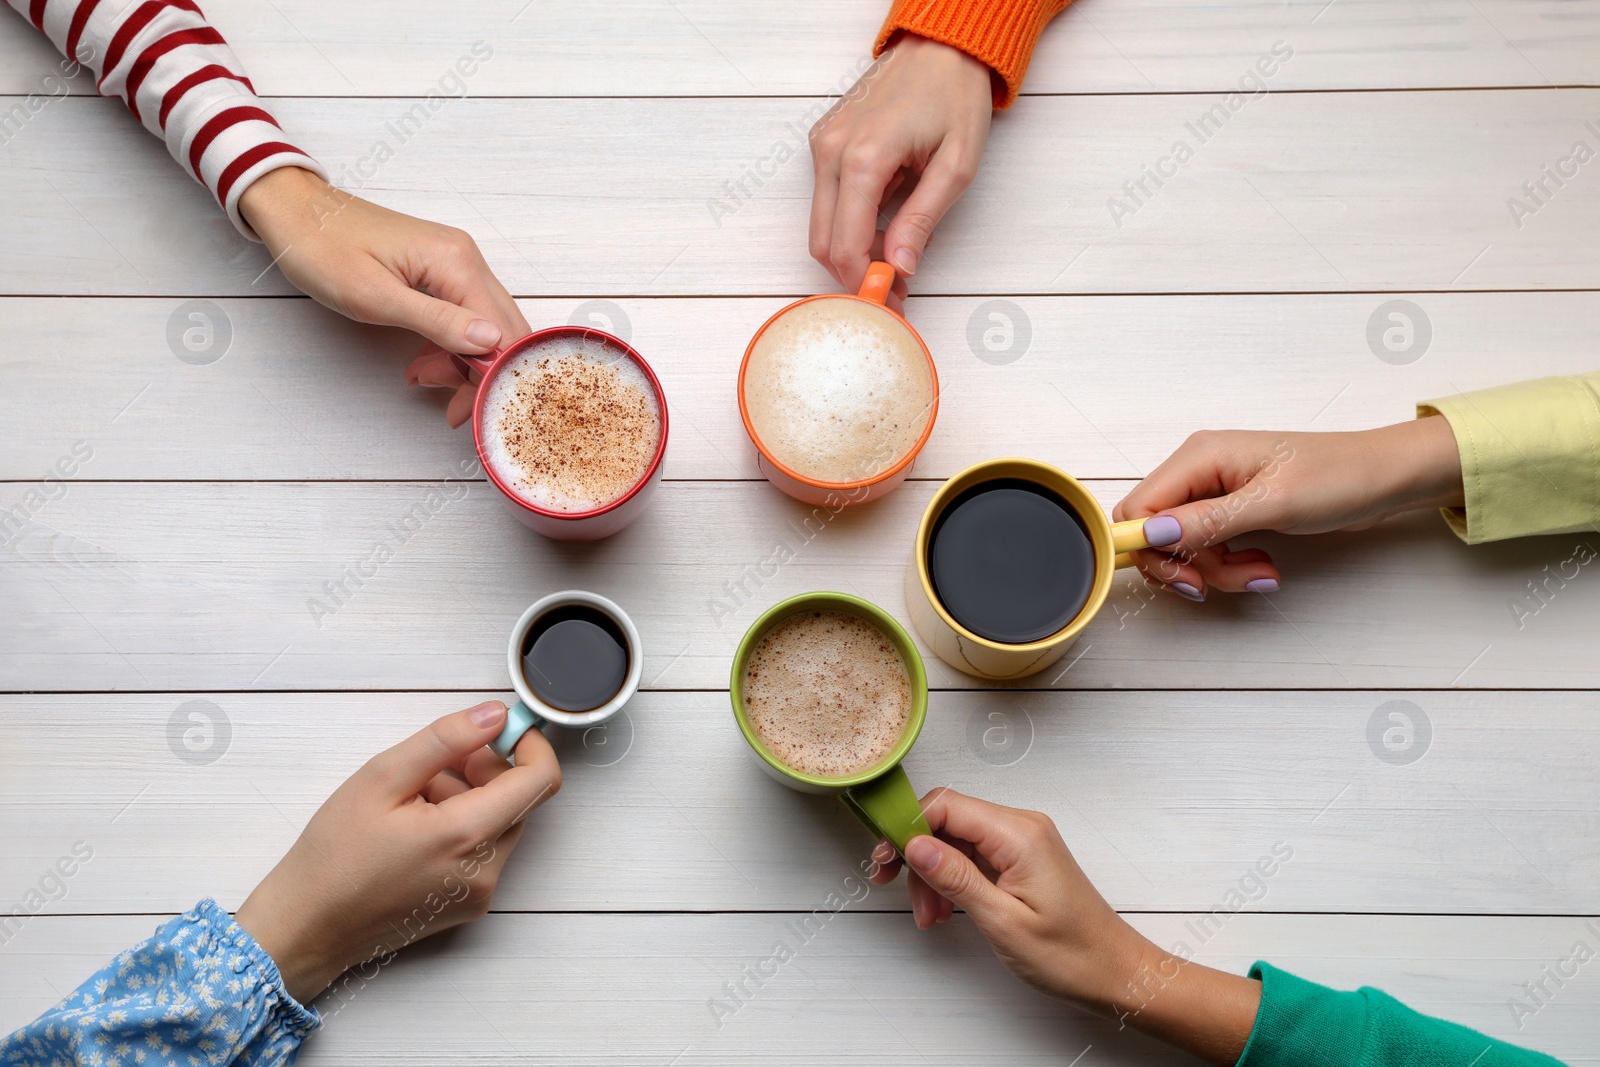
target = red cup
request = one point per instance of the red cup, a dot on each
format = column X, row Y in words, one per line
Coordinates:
column 570, row 525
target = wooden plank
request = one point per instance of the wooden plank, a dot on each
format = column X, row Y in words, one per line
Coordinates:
column 638, row 197
column 160, row 586
column 1167, row 798
column 868, row 989
column 723, row 48
column 296, row 392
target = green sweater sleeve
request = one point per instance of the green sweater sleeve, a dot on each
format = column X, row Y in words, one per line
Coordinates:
column 1530, row 457
column 1302, row 1024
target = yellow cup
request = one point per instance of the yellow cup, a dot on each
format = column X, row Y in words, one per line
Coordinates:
column 979, row 656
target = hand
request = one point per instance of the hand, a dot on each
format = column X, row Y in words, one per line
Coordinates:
column 375, row 265
column 1011, row 872
column 923, row 107
column 412, row 844
column 1219, row 485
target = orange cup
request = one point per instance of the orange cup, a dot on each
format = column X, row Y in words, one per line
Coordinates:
column 875, row 292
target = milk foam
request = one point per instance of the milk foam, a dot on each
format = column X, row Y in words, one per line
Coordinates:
column 838, row 390
column 827, row 693
column 570, row 424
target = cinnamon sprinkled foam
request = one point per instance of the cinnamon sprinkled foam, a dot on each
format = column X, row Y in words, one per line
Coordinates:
column 827, row 693
column 571, row 424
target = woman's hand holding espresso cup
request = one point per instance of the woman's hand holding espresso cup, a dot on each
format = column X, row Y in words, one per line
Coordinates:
column 1220, row 484
column 411, row 844
column 1010, row 871
column 375, row 265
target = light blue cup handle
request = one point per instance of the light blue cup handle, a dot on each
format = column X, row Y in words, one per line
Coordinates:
column 519, row 720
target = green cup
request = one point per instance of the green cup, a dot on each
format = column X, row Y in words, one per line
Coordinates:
column 881, row 796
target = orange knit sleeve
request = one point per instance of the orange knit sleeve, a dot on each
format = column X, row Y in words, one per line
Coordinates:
column 1001, row 33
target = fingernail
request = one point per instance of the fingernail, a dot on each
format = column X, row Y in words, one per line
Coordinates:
column 924, row 855
column 487, row 714
column 883, row 853
column 1162, row 530
column 905, row 261
column 483, row 333
column 1262, row 585
column 1187, row 591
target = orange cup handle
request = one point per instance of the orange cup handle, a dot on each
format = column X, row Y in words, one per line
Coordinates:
column 876, row 285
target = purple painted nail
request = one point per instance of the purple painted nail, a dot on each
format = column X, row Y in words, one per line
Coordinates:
column 1262, row 585
column 1162, row 530
column 1187, row 591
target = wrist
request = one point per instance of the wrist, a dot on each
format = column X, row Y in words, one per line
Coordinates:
column 1418, row 463
column 301, row 958
column 276, row 200
column 950, row 61
column 1201, row 1010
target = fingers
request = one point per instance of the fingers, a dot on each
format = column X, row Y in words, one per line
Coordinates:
column 824, row 196
column 886, row 864
column 445, row 784
column 953, row 876
column 504, row 800
column 405, row 770
column 459, row 410
column 946, row 177
column 997, row 833
column 434, row 281
column 450, row 326
column 1192, row 576
column 865, row 171
column 434, row 369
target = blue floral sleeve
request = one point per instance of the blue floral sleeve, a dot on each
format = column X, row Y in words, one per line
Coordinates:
column 199, row 992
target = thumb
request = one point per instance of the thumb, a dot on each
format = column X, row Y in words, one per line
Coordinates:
column 940, row 186
column 956, row 878
column 405, row 769
column 450, row 326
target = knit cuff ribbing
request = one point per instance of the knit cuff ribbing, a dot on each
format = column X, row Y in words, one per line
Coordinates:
column 1001, row 33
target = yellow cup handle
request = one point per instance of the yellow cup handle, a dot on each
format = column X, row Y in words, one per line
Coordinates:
column 1127, row 537
column 875, row 286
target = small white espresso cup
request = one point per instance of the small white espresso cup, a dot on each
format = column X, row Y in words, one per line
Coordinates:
column 530, row 713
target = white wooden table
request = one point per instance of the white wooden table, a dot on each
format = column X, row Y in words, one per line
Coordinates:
column 179, row 562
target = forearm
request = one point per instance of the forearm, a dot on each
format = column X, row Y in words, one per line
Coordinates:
column 1414, row 465
column 287, row 198
column 181, row 81
column 1203, row 1011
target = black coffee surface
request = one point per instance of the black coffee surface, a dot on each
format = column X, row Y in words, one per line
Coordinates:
column 1011, row 561
column 575, row 658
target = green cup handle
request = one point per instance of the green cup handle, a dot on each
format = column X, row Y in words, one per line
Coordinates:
column 889, row 807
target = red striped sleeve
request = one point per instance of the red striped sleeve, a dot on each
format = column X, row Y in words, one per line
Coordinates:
column 201, row 102
column 212, row 129
column 137, row 22
column 80, row 19
column 231, row 173
column 154, row 53
column 204, row 74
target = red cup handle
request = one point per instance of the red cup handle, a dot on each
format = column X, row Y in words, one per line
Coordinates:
column 467, row 364
column 875, row 287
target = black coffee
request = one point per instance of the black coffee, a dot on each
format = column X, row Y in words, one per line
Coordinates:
column 575, row 658
column 1011, row 561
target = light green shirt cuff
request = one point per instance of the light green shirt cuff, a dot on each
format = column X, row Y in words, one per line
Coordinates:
column 1530, row 457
